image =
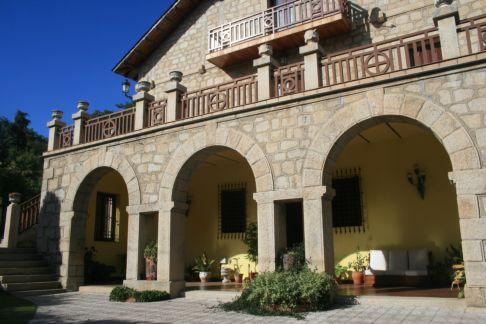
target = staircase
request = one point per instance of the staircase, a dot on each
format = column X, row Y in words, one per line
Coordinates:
column 24, row 272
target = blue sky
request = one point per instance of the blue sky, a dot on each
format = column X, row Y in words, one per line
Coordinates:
column 56, row 52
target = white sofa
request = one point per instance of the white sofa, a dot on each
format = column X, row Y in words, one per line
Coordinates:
column 397, row 264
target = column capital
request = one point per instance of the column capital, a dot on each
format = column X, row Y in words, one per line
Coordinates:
column 142, row 96
column 312, row 46
column 445, row 9
column 309, row 193
column 142, row 209
column 80, row 114
column 173, row 86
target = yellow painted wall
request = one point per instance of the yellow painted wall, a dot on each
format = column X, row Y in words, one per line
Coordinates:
column 110, row 253
column 202, row 220
column 396, row 216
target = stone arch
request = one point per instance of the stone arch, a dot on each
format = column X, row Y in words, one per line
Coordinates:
column 377, row 107
column 74, row 211
column 204, row 143
column 94, row 168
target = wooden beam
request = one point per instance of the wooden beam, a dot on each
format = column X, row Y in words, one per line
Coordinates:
column 394, row 130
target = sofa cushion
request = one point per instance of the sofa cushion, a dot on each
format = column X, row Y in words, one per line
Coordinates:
column 397, row 262
column 378, row 260
column 418, row 260
column 412, row 273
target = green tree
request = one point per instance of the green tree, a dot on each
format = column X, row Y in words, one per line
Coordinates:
column 21, row 151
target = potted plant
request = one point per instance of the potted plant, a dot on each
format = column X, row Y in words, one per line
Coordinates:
column 339, row 272
column 150, row 255
column 358, row 266
column 237, row 271
column 203, row 266
column 251, row 241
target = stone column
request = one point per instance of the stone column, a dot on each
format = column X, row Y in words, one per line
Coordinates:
column 171, row 240
column 265, row 65
column 471, row 201
column 174, row 91
column 446, row 18
column 318, row 236
column 312, row 53
column 134, row 248
column 271, row 232
column 54, row 126
column 142, row 100
column 79, row 119
column 12, row 219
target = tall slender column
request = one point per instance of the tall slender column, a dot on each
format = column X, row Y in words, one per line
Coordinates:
column 12, row 218
column 142, row 100
column 318, row 237
column 174, row 91
column 446, row 18
column 265, row 65
column 79, row 119
column 312, row 52
column 54, row 126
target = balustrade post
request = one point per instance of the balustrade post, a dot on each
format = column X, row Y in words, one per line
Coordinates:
column 80, row 118
column 174, row 92
column 312, row 53
column 265, row 65
column 446, row 18
column 12, row 220
column 142, row 100
column 54, row 127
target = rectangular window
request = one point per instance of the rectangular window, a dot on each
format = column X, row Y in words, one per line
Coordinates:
column 424, row 52
column 347, row 207
column 232, row 210
column 105, row 219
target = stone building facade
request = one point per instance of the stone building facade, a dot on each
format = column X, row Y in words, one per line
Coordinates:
column 291, row 143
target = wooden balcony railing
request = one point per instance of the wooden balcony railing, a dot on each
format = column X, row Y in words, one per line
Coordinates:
column 225, row 96
column 289, row 79
column 108, row 126
column 157, row 113
column 381, row 58
column 29, row 213
column 66, row 136
column 271, row 21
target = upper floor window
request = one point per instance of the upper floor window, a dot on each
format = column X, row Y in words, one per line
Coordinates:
column 347, row 207
column 232, row 209
column 279, row 2
column 105, row 220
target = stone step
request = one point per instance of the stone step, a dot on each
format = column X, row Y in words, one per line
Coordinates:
column 25, row 271
column 20, row 257
column 43, row 285
column 39, row 292
column 23, row 264
column 26, row 278
column 17, row 250
column 25, row 286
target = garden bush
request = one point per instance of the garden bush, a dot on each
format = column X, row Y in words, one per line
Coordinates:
column 148, row 296
column 286, row 293
column 121, row 294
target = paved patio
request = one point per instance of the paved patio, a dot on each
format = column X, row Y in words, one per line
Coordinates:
column 77, row 307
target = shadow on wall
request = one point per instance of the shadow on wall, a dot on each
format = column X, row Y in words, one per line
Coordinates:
column 49, row 231
column 360, row 34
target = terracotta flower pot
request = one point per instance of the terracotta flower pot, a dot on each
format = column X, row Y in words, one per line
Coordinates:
column 358, row 277
column 239, row 278
column 150, row 269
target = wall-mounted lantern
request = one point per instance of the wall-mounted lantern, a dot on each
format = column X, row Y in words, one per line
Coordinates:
column 417, row 179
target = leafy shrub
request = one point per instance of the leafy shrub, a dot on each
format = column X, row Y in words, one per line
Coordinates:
column 121, row 294
column 286, row 293
column 293, row 259
column 150, row 252
column 251, row 241
column 148, row 296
